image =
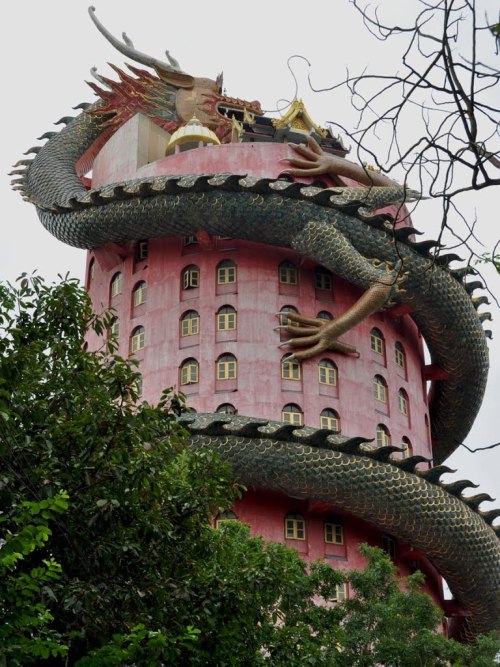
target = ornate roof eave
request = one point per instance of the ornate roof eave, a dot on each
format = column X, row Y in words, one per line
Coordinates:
column 298, row 119
column 254, row 108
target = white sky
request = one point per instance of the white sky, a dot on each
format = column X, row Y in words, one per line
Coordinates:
column 48, row 48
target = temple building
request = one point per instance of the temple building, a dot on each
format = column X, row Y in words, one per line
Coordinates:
column 202, row 314
column 251, row 266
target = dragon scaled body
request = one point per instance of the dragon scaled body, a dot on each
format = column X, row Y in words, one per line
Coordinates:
column 336, row 229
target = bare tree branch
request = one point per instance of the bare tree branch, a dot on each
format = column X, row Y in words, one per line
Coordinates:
column 446, row 86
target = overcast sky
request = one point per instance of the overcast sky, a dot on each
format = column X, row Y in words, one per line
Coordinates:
column 48, row 48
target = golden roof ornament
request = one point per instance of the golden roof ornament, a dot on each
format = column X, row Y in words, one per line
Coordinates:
column 191, row 135
column 298, row 119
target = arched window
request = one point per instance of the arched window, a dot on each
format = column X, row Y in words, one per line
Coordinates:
column 114, row 329
column 284, row 321
column 190, row 323
column 383, row 436
column 295, row 526
column 141, row 250
column 324, row 315
column 226, row 272
column 400, row 356
column 227, row 409
column 140, row 293
column 327, row 372
column 290, row 369
column 403, row 403
column 287, row 273
column 226, row 319
column 116, row 286
column 189, row 372
column 322, row 279
column 330, row 419
column 407, row 448
column 227, row 367
column 137, row 339
column 380, row 389
column 340, row 592
column 138, row 386
column 377, row 342
column 333, row 531
column 91, row 272
column 225, row 517
column 191, row 277
column 292, row 414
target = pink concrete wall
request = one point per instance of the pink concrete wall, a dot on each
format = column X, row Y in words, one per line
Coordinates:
column 265, row 512
column 257, row 298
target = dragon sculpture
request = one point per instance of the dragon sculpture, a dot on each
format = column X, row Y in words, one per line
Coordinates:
column 335, row 228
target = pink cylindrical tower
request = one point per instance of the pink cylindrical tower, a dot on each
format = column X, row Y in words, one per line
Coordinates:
column 202, row 314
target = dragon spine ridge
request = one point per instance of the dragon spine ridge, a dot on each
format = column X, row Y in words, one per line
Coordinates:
column 218, row 425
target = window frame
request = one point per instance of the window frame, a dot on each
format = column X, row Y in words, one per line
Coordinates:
column 297, row 411
column 189, row 369
column 337, row 532
column 295, row 526
column 191, row 277
column 403, row 403
column 141, row 250
column 407, row 448
column 225, row 517
column 379, row 389
column 224, row 316
column 383, row 436
column 291, row 369
column 137, row 339
column 114, row 328
column 91, row 272
column 233, row 410
column 341, row 592
column 226, row 273
column 139, row 293
column 226, row 367
column 139, row 386
column 288, row 273
column 377, row 342
column 326, row 367
column 191, row 323
column 334, row 417
column 283, row 316
column 116, row 284
column 400, row 356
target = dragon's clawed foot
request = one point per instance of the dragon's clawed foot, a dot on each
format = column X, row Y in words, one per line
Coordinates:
column 314, row 334
column 317, row 335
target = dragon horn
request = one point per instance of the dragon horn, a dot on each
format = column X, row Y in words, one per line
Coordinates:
column 127, row 48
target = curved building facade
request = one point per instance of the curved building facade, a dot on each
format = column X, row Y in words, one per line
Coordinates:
column 207, row 315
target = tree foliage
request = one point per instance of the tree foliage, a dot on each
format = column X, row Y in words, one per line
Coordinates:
column 25, row 632
column 138, row 497
column 107, row 553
